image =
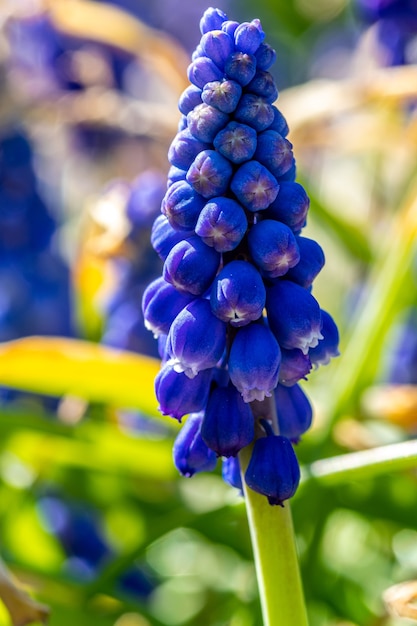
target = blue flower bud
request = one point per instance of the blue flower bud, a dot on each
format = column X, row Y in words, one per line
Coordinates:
column 191, row 266
column 223, row 95
column 182, row 205
column 328, row 347
column 231, row 473
column 178, row 394
column 290, row 175
column 254, row 362
column 175, row 174
column 273, row 248
column 217, row 46
column 229, row 27
column 290, row 206
column 203, row 70
column 222, row 224
column 184, row 148
column 190, row 98
column 236, row 142
column 254, row 111
column 240, row 67
column 273, row 469
column 238, row 294
column 204, row 122
column 295, row 365
column 210, row 174
column 191, row 455
column 164, row 237
column 263, row 84
column 294, row 316
column 228, row 424
column 212, row 20
column 198, row 52
column 196, row 339
column 161, row 303
column 274, row 152
column 279, row 123
column 265, row 56
column 254, row 186
column 249, row 36
column 294, row 412
column 311, row 262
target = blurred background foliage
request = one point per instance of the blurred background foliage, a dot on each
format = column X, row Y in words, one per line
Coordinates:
column 94, row 521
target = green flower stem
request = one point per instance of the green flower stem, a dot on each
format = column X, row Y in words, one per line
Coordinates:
column 274, row 548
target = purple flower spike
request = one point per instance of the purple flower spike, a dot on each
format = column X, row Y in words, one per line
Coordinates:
column 212, row 20
column 222, row 95
column 263, row 84
column 210, row 174
column 179, row 395
column 190, row 98
column 203, row 70
column 294, row 366
column 217, row 46
column 254, row 362
column 328, row 347
column 161, row 303
column 164, row 237
column 196, row 339
column 191, row 266
column 265, row 56
column 184, row 148
column 204, row 122
column 294, row 411
column 249, row 36
column 236, row 142
column 182, row 205
column 311, row 262
column 294, row 316
column 228, row 424
column 274, row 152
column 238, row 294
column 222, row 224
column 254, row 111
column 240, row 67
column 254, row 186
column 273, row 469
column 191, row 455
column 273, row 248
column 290, row 206
column 231, row 473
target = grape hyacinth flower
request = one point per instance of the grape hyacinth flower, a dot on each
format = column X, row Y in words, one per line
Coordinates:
column 234, row 310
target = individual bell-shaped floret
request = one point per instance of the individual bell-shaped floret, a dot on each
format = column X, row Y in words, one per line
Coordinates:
column 184, row 148
column 178, row 394
column 191, row 454
column 294, row 412
column 254, row 361
column 280, row 123
column 202, row 71
column 273, row 248
column 218, row 46
column 212, row 20
column 236, row 142
column 273, row 469
column 238, row 294
column 249, row 36
column 295, row 365
column 240, row 67
column 191, row 266
column 175, row 174
column 265, row 56
column 196, row 339
column 182, row 205
column 222, row 224
column 223, row 95
column 263, row 84
column 210, row 174
column 204, row 122
column 290, row 206
column 254, row 186
column 275, row 152
column 328, row 347
column 311, row 262
column 294, row 316
column 161, row 303
column 189, row 99
column 254, row 111
column 231, row 473
column 164, row 236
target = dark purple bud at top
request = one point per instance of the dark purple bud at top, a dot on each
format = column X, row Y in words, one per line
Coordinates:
column 222, row 224
column 175, row 174
column 161, row 303
column 231, row 473
column 238, row 294
column 254, row 186
column 184, row 148
column 273, row 248
column 328, row 347
column 254, row 362
column 212, row 20
column 254, row 111
column 179, row 395
column 203, row 70
column 280, row 123
column 229, row 27
column 274, row 152
column 204, row 122
column 191, row 266
column 210, row 174
column 294, row 316
column 295, row 365
column 265, row 56
column 191, row 454
column 311, row 262
column 223, row 95
column 228, row 424
column 164, row 237
column 217, row 46
column 182, row 205
column 240, row 67
column 236, row 142
column 290, row 206
column 263, row 84
column 190, row 98
column 196, row 339
column 294, row 412
column 273, row 469
column 249, row 36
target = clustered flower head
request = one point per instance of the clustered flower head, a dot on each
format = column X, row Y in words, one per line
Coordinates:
column 233, row 311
